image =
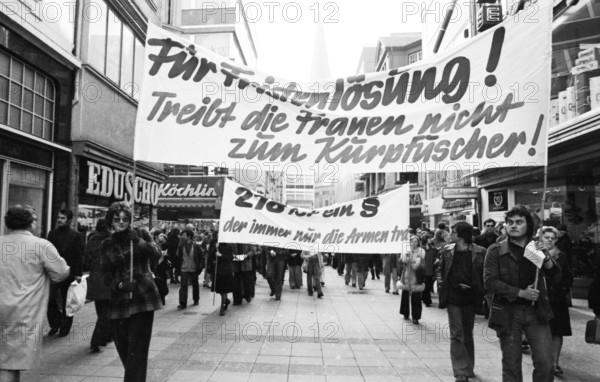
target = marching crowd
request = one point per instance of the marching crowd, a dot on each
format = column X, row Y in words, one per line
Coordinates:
column 129, row 270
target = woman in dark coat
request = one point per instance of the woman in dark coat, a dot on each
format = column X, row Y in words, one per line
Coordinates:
column 220, row 258
column 133, row 300
column 560, row 325
column 97, row 290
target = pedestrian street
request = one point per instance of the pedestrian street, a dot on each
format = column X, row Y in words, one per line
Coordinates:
column 348, row 335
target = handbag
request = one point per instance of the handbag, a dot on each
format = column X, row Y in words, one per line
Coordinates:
column 592, row 331
column 500, row 316
column 76, row 296
column 161, row 285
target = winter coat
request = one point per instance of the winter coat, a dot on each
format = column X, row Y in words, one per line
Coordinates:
column 25, row 278
column 97, row 289
column 501, row 277
column 116, row 257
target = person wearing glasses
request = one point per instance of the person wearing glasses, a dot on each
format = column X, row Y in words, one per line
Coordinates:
column 488, row 237
column 24, row 289
column 132, row 301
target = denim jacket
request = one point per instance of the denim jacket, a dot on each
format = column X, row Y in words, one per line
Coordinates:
column 501, row 277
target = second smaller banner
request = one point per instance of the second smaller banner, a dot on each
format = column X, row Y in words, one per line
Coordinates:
column 377, row 224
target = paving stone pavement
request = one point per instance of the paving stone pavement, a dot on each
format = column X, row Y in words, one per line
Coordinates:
column 348, row 336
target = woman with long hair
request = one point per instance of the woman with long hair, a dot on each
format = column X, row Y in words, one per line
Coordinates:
column 411, row 280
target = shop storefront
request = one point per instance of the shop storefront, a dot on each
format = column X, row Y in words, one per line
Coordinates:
column 106, row 177
column 189, row 199
column 27, row 174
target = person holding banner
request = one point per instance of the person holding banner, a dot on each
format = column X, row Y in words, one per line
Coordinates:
column 277, row 258
column 134, row 296
column 515, row 272
column 350, row 265
column 294, row 263
column 221, row 255
column 314, row 268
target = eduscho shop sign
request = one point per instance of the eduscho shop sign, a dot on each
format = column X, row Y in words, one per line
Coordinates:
column 105, row 181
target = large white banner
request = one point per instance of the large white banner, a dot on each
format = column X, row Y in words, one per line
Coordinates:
column 377, row 224
column 480, row 105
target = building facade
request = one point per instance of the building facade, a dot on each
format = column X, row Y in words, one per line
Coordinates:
column 37, row 80
column 111, row 50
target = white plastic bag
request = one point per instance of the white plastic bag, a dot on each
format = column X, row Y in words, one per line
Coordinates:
column 76, row 296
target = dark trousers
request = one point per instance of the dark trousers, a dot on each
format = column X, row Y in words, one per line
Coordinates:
column 101, row 335
column 57, row 314
column 186, row 279
column 243, row 286
column 415, row 304
column 132, row 339
column 526, row 320
column 426, row 295
column 276, row 273
column 461, row 320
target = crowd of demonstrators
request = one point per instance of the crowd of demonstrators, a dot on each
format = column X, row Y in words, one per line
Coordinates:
column 465, row 273
column 25, row 289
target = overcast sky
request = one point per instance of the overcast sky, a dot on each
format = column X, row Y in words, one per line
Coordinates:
column 285, row 36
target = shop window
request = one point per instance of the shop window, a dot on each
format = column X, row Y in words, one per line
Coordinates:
column 27, row 98
column 113, row 49
column 575, row 62
column 414, row 57
column 28, row 185
column 577, row 206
